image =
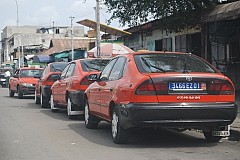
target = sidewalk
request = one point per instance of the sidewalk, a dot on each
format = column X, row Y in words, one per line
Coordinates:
column 235, row 126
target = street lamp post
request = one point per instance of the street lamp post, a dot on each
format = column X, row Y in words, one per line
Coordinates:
column 18, row 49
column 98, row 26
column 72, row 37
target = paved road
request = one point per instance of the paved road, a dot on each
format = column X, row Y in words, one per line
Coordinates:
column 28, row 132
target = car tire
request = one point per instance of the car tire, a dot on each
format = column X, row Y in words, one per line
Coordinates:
column 20, row 94
column 90, row 120
column 69, row 109
column 43, row 101
column 11, row 93
column 53, row 105
column 119, row 135
column 36, row 98
column 210, row 138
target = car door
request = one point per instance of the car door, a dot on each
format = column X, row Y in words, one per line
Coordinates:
column 65, row 83
column 56, row 90
column 95, row 92
column 14, row 80
column 109, row 89
column 40, row 81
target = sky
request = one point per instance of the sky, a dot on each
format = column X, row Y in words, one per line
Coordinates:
column 45, row 12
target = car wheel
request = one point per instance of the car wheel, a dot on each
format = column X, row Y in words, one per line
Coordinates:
column 43, row 101
column 119, row 135
column 11, row 93
column 210, row 138
column 90, row 120
column 37, row 99
column 52, row 105
column 20, row 94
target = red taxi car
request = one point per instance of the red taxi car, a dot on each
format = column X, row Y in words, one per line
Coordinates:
column 161, row 89
column 23, row 81
column 68, row 91
column 43, row 87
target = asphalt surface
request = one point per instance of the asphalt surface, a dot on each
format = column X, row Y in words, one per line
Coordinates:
column 28, row 132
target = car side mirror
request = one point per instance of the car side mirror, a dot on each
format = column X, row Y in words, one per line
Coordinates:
column 93, row 77
column 15, row 76
column 54, row 77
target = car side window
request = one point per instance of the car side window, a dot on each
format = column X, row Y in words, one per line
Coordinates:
column 44, row 72
column 106, row 71
column 63, row 75
column 116, row 72
column 71, row 70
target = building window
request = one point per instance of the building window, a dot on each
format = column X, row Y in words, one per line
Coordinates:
column 57, row 31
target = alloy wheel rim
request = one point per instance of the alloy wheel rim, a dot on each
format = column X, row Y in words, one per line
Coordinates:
column 69, row 106
column 41, row 99
column 35, row 97
column 114, row 125
column 86, row 114
column 51, row 100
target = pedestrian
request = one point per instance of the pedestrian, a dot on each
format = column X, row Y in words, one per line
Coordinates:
column 7, row 75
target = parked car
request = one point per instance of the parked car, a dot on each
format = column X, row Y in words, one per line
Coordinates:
column 161, row 89
column 68, row 91
column 23, row 82
column 43, row 87
column 2, row 80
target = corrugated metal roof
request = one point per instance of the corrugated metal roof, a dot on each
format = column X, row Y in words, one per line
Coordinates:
column 104, row 28
column 226, row 11
column 60, row 45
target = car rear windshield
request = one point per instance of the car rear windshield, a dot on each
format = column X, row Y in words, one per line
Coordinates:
column 168, row 62
column 30, row 72
column 58, row 67
column 94, row 64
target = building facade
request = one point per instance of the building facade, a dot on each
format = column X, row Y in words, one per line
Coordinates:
column 217, row 39
column 27, row 40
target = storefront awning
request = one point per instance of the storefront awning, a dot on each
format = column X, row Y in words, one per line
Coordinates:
column 228, row 11
column 104, row 28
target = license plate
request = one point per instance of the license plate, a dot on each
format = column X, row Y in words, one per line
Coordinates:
column 221, row 133
column 224, row 133
column 187, row 86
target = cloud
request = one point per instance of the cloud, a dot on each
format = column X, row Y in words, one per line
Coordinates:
column 43, row 16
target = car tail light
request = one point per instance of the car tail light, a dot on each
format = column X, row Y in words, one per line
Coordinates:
column 221, row 87
column 146, row 88
column 161, row 88
column 85, row 81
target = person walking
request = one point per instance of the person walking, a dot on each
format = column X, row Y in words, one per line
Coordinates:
column 7, row 76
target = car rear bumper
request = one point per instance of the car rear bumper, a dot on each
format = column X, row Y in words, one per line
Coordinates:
column 177, row 115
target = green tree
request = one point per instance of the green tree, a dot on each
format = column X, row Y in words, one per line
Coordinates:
column 174, row 14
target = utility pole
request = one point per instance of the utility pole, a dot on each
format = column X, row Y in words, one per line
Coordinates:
column 98, row 26
column 53, row 29
column 72, row 36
